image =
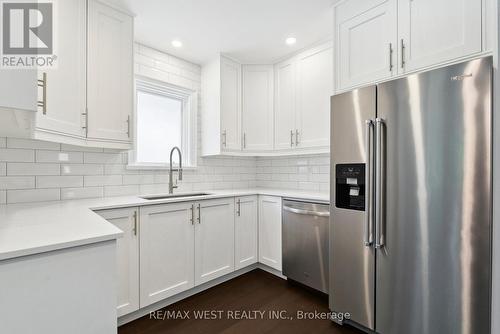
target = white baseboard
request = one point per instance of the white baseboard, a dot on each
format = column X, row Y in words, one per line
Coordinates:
column 174, row 299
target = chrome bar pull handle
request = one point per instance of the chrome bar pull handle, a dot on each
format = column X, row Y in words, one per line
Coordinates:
column 379, row 183
column 391, row 51
column 238, row 211
column 128, row 126
column 244, row 140
column 135, row 222
column 43, row 84
column 291, row 138
column 403, row 51
column 224, row 138
column 199, row 213
column 296, row 137
column 368, row 231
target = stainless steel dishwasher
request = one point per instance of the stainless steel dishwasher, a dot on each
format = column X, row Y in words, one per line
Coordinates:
column 305, row 243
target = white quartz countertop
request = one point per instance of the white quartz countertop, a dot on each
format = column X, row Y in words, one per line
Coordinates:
column 27, row 229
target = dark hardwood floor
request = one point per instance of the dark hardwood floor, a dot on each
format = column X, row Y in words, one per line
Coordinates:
column 254, row 291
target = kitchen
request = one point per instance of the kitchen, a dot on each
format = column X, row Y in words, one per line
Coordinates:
column 190, row 156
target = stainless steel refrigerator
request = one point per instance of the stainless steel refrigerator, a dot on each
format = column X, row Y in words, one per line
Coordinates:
column 410, row 225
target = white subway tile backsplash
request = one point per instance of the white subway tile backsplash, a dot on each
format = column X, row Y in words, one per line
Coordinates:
column 61, row 157
column 17, row 182
column 33, row 195
column 79, row 193
column 16, row 155
column 30, row 168
column 31, row 143
column 65, row 147
column 59, row 181
column 82, row 169
column 138, row 179
column 3, row 142
column 103, row 180
column 102, row 158
column 110, row 191
column 3, row 168
column 3, row 196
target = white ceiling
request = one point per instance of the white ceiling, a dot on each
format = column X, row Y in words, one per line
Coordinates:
column 252, row 31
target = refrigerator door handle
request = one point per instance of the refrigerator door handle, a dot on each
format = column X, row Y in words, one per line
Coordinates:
column 379, row 183
column 368, row 232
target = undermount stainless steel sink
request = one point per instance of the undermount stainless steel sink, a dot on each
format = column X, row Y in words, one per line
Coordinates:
column 156, row 197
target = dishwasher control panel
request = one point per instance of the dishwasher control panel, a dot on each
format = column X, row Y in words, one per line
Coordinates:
column 350, row 186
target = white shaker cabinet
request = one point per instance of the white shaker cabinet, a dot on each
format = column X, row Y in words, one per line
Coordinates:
column 432, row 32
column 214, row 239
column 166, row 251
column 64, row 91
column 257, row 110
column 366, row 41
column 110, row 74
column 245, row 231
column 127, row 257
column 284, row 112
column 270, row 231
column 221, row 107
column 314, row 88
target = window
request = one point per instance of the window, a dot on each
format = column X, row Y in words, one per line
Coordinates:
column 165, row 117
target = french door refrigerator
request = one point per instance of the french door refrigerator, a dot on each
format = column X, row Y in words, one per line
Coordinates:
column 410, row 229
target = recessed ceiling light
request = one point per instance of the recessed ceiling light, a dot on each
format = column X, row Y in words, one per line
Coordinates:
column 291, row 41
column 176, row 43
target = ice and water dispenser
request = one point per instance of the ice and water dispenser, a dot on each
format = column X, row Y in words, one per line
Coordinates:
column 350, row 186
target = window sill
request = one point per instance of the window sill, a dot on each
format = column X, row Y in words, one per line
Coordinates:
column 156, row 167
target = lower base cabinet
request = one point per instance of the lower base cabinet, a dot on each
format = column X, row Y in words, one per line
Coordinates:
column 214, row 239
column 170, row 248
column 127, row 258
column 166, row 251
column 245, row 231
column 270, row 231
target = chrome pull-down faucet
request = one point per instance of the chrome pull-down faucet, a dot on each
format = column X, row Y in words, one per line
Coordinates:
column 171, row 185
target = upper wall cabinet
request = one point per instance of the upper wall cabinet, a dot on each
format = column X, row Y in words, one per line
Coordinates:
column 366, row 39
column 64, row 90
column 221, row 106
column 379, row 39
column 302, row 108
column 432, row 32
column 110, row 74
column 87, row 100
column 257, row 111
column 268, row 109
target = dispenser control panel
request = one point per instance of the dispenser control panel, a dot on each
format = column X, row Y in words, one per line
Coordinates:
column 350, row 186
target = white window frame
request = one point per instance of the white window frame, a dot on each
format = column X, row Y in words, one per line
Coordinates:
column 189, row 99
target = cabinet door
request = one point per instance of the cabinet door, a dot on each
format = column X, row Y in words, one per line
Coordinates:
column 167, row 251
column 127, row 258
column 214, row 239
column 366, row 42
column 314, row 88
column 110, row 73
column 230, row 104
column 257, row 112
column 438, row 31
column 65, row 85
column 270, row 231
column 284, row 119
column 245, row 225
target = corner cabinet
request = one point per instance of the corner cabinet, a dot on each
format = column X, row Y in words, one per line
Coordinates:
column 221, row 107
column 379, row 39
column 87, row 100
column 127, row 257
column 258, row 106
